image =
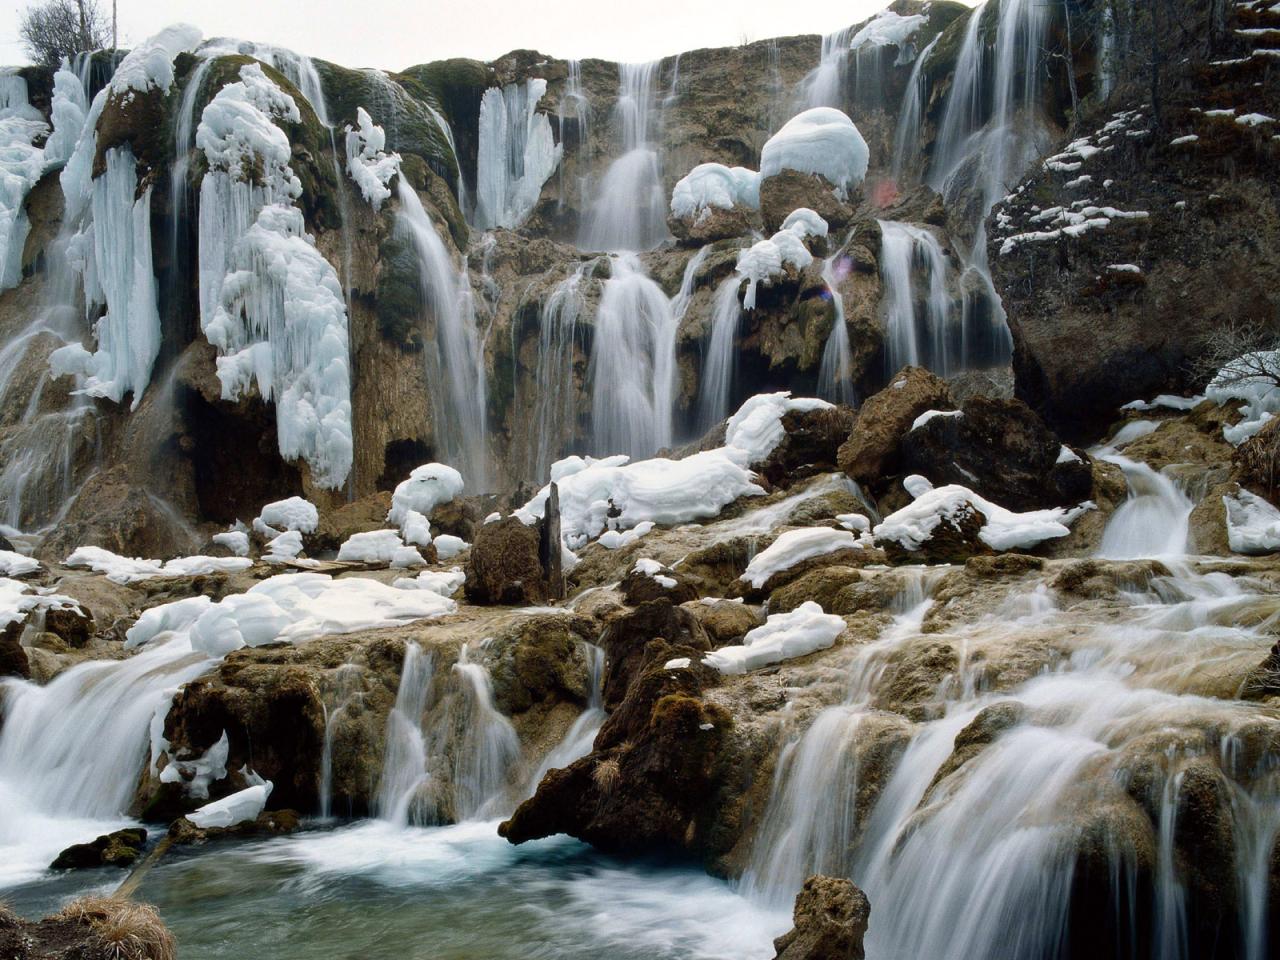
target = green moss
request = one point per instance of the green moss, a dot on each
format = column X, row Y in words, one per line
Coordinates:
column 398, row 301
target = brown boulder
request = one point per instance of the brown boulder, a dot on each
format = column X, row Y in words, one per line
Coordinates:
column 625, row 639
column 872, row 451
column 809, row 445
column 1000, row 449
column 13, row 658
column 831, row 917
column 725, row 621
column 790, row 190
column 714, row 223
column 505, row 565
column 361, row 516
column 118, row 849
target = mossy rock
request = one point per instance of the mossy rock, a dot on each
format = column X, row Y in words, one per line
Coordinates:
column 398, row 302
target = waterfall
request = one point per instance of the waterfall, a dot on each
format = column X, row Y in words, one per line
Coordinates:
column 629, row 211
column 488, row 750
column 835, row 372
column 581, row 736
column 456, row 375
column 918, row 330
column 964, row 111
column 404, row 759
column 517, row 154
column 978, row 862
column 906, row 138
column 556, row 399
column 348, row 689
column 1152, row 522
column 824, row 84
column 632, row 370
column 574, row 104
column 719, row 359
column 72, row 752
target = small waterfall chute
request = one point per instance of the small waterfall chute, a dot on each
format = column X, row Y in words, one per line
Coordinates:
column 1152, row 522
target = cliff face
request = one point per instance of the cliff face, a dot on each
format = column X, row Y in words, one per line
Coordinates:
column 489, row 343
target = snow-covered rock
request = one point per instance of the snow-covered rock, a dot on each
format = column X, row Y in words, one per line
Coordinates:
column 1253, row 524
column 823, row 141
column 241, row 807
column 796, row 546
column 784, row 636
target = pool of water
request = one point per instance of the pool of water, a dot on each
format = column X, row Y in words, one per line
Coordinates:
column 374, row 891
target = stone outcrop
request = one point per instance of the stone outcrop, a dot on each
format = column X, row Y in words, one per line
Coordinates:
column 872, row 452
column 831, row 917
column 505, row 565
column 1001, row 450
column 118, row 849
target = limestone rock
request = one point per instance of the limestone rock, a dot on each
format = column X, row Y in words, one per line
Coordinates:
column 871, row 452
column 809, row 446
column 625, row 640
column 831, row 917
column 715, row 223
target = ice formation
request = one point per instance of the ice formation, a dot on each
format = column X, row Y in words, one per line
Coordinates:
column 913, row 525
column 240, row 807
column 21, row 165
column 294, row 513
column 796, row 546
column 715, row 185
column 756, row 428
column 1254, row 379
column 270, row 303
column 446, row 583
column 1253, row 524
column 887, row 28
column 373, row 546
column 150, row 63
column 16, row 565
column 368, row 162
column 120, row 569
column 517, row 154
column 766, row 260
column 428, row 487
column 783, row 636
column 823, row 141
column 17, row 599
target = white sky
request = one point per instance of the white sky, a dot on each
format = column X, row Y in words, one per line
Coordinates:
column 393, row 34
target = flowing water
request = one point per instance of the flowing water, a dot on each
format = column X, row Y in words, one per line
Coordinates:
column 455, row 369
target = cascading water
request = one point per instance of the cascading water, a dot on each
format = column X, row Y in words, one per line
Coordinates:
column 574, row 113
column 919, row 329
column 71, row 752
column 456, row 375
column 978, row 861
column 581, row 736
column 716, row 381
column 824, row 85
column 906, row 138
column 1153, row 522
column 629, row 211
column 835, row 372
column 556, row 410
column 488, row 750
column 632, row 368
column 404, row 760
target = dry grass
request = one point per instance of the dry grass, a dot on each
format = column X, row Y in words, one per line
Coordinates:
column 7, row 917
column 128, row 930
column 606, row 774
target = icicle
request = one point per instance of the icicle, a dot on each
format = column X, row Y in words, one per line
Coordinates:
column 517, row 154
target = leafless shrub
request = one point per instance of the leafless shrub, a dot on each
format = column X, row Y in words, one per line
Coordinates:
column 56, row 29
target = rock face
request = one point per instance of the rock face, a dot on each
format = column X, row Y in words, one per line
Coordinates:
column 831, row 917
column 1186, row 240
column 872, row 451
column 1001, row 450
column 789, row 190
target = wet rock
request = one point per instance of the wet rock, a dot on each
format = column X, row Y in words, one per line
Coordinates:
column 714, row 223
column 981, row 732
column 1110, row 490
column 821, row 584
column 270, row 823
column 790, row 190
column 809, row 446
column 1178, row 441
column 1207, row 525
column 871, row 454
column 540, row 661
column 831, row 917
column 638, row 587
column 118, row 849
column 72, row 624
column 725, row 621
column 1000, row 449
column 1264, row 680
column 625, row 640
column 662, row 778
column 361, row 516
column 505, row 566
column 717, row 566
column 1100, row 578
column 13, row 657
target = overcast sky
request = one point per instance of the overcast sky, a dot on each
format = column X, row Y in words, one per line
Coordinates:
column 397, row 33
